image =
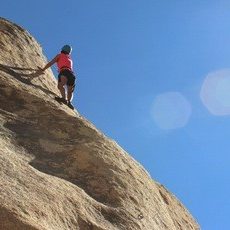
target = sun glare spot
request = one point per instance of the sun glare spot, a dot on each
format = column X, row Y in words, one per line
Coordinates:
column 215, row 92
column 171, row 110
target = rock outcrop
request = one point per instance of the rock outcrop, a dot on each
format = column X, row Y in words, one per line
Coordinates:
column 57, row 171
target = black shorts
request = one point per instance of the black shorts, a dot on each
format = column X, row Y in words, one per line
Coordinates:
column 69, row 75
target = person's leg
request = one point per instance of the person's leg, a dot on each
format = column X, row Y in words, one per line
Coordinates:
column 70, row 86
column 70, row 89
column 61, row 86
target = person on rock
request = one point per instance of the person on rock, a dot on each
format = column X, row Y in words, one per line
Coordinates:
column 66, row 75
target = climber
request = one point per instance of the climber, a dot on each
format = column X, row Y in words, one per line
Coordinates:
column 65, row 77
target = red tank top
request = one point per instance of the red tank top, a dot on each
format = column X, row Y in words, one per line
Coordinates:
column 64, row 62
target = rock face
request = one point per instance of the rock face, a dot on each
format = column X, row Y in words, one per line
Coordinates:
column 57, row 171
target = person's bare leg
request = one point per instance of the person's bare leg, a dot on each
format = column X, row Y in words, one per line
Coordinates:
column 70, row 89
column 61, row 86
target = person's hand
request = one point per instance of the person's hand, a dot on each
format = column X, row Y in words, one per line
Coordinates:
column 37, row 73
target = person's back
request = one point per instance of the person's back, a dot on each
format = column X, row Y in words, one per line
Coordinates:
column 64, row 62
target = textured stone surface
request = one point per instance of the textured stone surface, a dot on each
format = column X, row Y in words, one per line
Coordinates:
column 57, row 171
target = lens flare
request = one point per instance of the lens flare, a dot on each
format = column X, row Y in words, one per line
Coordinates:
column 171, row 110
column 215, row 92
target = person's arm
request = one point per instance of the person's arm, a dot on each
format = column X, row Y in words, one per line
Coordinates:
column 41, row 70
column 49, row 64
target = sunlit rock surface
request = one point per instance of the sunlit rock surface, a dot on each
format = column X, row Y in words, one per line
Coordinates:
column 57, row 171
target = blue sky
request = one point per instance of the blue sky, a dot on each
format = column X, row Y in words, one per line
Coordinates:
column 145, row 78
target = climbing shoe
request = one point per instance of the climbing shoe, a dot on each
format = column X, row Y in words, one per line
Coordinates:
column 70, row 105
column 61, row 100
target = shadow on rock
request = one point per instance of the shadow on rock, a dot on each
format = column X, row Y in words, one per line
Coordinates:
column 23, row 77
